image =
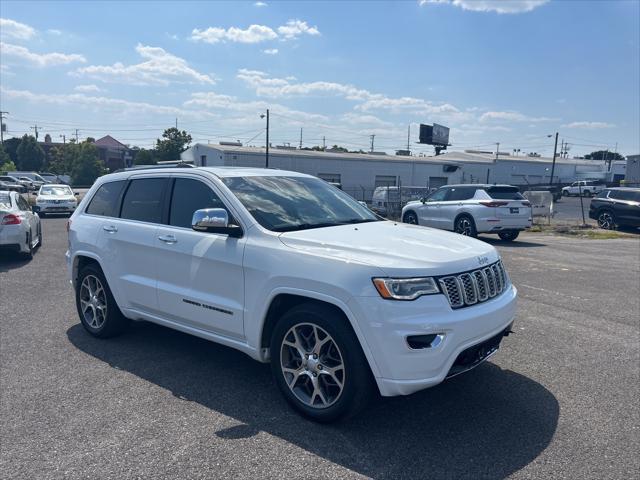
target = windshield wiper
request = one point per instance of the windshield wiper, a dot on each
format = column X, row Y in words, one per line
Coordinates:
column 304, row 226
column 358, row 220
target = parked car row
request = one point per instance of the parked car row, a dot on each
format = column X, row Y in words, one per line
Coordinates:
column 616, row 207
column 20, row 229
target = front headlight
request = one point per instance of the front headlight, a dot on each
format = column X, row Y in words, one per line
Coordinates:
column 405, row 288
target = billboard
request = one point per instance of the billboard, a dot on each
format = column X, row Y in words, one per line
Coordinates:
column 434, row 135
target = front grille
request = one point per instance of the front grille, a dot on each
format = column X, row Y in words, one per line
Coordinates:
column 468, row 288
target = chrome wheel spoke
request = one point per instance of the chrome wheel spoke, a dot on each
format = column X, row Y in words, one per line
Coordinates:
column 93, row 301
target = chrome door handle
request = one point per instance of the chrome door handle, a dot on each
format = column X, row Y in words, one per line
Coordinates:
column 167, row 238
column 110, row 229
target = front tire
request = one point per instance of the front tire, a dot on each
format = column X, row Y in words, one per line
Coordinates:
column 509, row 235
column 318, row 364
column 606, row 220
column 98, row 311
column 410, row 218
column 565, row 193
column 465, row 226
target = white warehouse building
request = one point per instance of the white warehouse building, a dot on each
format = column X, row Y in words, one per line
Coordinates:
column 359, row 174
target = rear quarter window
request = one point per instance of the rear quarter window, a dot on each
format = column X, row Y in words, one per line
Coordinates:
column 143, row 200
column 105, row 200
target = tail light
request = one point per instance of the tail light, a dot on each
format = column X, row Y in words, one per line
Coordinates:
column 494, row 204
column 526, row 204
column 11, row 219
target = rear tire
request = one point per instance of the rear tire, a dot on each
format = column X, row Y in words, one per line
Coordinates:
column 509, row 235
column 318, row 364
column 465, row 225
column 30, row 250
column 410, row 218
column 98, row 311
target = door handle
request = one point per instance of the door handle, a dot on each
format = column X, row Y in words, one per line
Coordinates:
column 110, row 228
column 167, row 239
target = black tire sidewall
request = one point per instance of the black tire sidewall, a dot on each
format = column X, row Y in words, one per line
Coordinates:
column 358, row 378
column 115, row 321
column 410, row 214
column 509, row 236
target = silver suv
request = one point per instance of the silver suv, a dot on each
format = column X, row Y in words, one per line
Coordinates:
column 472, row 209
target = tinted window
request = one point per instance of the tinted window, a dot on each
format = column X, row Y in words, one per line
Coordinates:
column 628, row 195
column 143, row 200
column 438, row 195
column 188, row 196
column 505, row 193
column 22, row 204
column 105, row 200
column 461, row 193
column 603, row 194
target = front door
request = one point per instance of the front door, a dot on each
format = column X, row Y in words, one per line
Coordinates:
column 429, row 213
column 200, row 275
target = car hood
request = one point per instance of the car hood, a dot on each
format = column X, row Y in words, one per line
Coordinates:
column 396, row 248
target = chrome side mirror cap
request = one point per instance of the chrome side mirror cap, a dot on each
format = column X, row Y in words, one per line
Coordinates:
column 214, row 220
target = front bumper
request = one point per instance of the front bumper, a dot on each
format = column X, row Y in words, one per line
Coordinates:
column 386, row 325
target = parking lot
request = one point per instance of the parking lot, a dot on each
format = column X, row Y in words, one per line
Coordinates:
column 559, row 400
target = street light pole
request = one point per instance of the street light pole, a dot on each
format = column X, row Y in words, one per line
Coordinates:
column 266, row 163
column 553, row 163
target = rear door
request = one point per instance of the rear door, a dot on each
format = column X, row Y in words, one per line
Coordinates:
column 200, row 274
column 127, row 240
column 510, row 205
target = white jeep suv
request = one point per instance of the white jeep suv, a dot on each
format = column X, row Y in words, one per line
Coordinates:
column 472, row 209
column 292, row 271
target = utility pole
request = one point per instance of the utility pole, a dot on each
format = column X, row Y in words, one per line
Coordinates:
column 266, row 163
column 176, row 123
column 553, row 162
column 2, row 125
column 324, row 143
column 35, row 128
column 300, row 138
column 64, row 139
column 76, row 135
column 497, row 149
column 372, row 139
column 409, row 139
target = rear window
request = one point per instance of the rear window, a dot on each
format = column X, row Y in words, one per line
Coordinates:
column 505, row 193
column 105, row 200
column 143, row 200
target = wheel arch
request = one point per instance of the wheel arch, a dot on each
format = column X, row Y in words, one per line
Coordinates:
column 80, row 260
column 283, row 301
column 411, row 210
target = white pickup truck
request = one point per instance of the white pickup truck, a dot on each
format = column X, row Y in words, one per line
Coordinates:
column 587, row 188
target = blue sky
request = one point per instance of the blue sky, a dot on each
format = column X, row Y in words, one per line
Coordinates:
column 508, row 71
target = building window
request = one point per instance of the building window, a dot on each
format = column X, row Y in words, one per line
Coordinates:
column 386, row 181
column 203, row 160
column 330, row 177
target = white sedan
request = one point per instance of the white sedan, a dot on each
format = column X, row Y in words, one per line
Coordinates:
column 20, row 229
column 55, row 199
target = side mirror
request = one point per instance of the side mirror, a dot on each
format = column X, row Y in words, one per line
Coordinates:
column 214, row 220
column 423, row 200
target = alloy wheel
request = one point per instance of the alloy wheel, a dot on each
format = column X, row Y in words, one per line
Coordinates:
column 93, row 301
column 411, row 219
column 605, row 221
column 312, row 365
column 464, row 227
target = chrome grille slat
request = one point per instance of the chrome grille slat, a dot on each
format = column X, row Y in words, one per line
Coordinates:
column 469, row 288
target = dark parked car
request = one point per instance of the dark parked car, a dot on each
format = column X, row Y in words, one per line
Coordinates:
column 616, row 207
column 12, row 183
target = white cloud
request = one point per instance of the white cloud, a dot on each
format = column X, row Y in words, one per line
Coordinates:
column 39, row 59
column 99, row 103
column 260, row 4
column 295, row 28
column 357, row 119
column 159, row 68
column 513, row 117
column 271, row 51
column 252, row 109
column 12, row 29
column 589, row 125
column 253, row 34
column 498, row 6
column 53, row 31
column 87, row 88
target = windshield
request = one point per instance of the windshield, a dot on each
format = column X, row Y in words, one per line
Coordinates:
column 59, row 191
column 284, row 204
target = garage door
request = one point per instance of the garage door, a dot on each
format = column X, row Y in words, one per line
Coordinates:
column 437, row 182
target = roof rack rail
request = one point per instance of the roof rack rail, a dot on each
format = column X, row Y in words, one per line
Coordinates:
column 152, row 167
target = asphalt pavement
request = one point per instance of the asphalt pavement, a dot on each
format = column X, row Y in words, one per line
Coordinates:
column 559, row 400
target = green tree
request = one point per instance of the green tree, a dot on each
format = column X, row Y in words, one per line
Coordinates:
column 30, row 155
column 145, row 157
column 173, row 144
column 62, row 159
column 4, row 156
column 86, row 164
column 604, row 155
column 11, row 147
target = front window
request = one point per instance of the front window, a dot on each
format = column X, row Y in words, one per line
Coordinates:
column 284, row 204
column 438, row 195
column 57, row 191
